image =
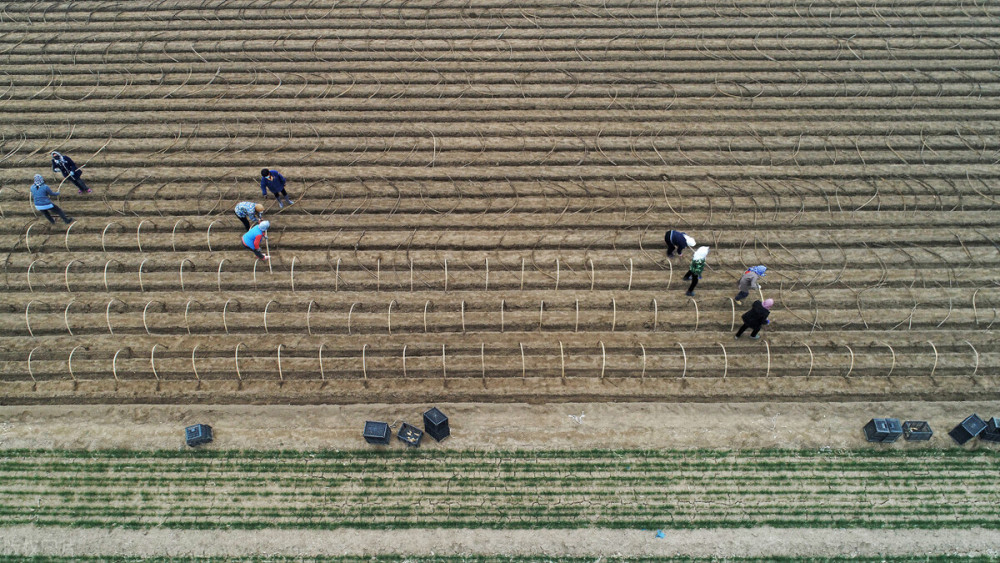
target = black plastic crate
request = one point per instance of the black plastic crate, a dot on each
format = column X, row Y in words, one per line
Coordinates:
column 377, row 432
column 968, row 429
column 992, row 431
column 436, row 424
column 917, row 430
column 884, row 430
column 410, row 435
column 198, row 434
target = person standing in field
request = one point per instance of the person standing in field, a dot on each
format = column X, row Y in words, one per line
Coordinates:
column 40, row 194
column 247, row 211
column 255, row 236
column 677, row 242
column 749, row 282
column 756, row 318
column 69, row 169
column 697, row 267
column 274, row 181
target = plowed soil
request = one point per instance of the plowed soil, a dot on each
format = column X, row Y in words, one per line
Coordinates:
column 481, row 195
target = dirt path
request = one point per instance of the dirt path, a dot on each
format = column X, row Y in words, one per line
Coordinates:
column 482, row 426
column 753, row 542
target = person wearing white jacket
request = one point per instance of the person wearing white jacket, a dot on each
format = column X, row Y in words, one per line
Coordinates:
column 697, row 267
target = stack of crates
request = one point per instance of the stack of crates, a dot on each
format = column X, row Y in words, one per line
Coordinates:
column 992, row 431
column 884, row 430
column 971, row 427
column 436, row 424
column 198, row 434
column 377, row 432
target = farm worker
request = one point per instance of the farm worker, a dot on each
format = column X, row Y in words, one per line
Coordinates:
column 247, row 210
column 756, row 317
column 697, row 266
column 274, row 181
column 40, row 194
column 749, row 281
column 68, row 168
column 677, row 241
column 253, row 238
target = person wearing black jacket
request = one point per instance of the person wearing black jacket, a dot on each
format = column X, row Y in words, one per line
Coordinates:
column 65, row 165
column 677, row 242
column 756, row 318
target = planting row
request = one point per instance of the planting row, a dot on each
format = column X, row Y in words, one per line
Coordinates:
column 351, row 313
column 616, row 489
column 512, row 355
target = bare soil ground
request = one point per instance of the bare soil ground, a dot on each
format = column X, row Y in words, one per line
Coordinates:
column 481, row 194
column 729, row 543
column 484, row 426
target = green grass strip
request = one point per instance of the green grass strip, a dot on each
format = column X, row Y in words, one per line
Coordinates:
column 405, row 489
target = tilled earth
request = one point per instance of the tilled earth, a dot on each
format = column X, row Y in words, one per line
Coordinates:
column 481, row 195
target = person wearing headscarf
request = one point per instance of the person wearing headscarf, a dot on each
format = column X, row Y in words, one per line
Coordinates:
column 254, row 237
column 273, row 180
column 247, row 211
column 40, row 194
column 756, row 318
column 749, row 282
column 677, row 242
column 65, row 165
column 697, row 267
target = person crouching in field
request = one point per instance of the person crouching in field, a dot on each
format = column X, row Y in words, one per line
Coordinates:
column 677, row 241
column 748, row 282
column 40, row 194
column 273, row 180
column 697, row 267
column 756, row 318
column 254, row 237
column 247, row 211
column 69, row 169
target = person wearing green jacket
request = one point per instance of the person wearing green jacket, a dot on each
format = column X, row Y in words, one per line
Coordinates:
column 697, row 267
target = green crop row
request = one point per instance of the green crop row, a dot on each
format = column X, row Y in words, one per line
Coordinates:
column 400, row 489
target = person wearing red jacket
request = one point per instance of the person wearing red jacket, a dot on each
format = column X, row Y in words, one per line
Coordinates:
column 253, row 238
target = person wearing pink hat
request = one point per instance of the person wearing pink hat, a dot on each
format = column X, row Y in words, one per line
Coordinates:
column 756, row 318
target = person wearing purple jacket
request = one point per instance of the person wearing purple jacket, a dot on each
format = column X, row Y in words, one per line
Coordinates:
column 273, row 180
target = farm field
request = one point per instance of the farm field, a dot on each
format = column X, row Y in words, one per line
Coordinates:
column 497, row 490
column 481, row 194
column 272, row 493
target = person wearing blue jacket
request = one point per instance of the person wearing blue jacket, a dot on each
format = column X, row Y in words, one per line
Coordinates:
column 253, row 238
column 65, row 165
column 677, row 241
column 273, row 180
column 40, row 194
column 247, row 211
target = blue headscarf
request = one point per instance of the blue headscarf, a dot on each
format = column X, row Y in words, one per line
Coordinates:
column 39, row 180
column 759, row 270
